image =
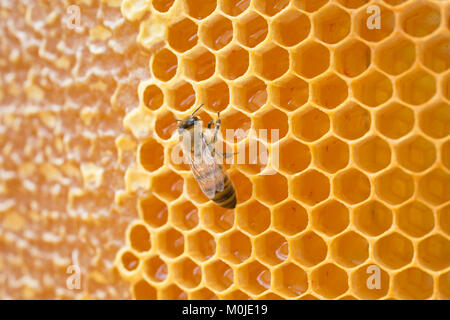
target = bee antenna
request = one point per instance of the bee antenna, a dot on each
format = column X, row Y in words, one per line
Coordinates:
column 197, row 109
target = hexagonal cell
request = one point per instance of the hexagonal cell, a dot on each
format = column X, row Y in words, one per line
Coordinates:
column 250, row 94
column 394, row 250
column 434, row 252
column 352, row 186
column 268, row 120
column 311, row 187
column 351, row 121
column 372, row 154
column 164, row 64
column 139, row 238
column 252, row 156
column 235, row 247
column 434, row 187
column 352, row 4
column 416, row 87
column 310, row 124
column 372, row 89
column 374, row 25
column 165, row 125
column 420, row 19
column 170, row 243
column 352, row 58
column 184, row 215
column 253, row 277
column 187, row 273
column 182, row 35
column 329, row 91
column 142, row 290
column 271, row 248
column 350, row 249
column 215, row 95
column 216, row 32
column 330, row 218
column 270, row 7
column 271, row 61
column 329, row 280
column 290, row 280
column 308, row 296
column 200, row 9
column 151, row 155
column 234, row 7
column 233, row 63
column 201, row 245
column 162, row 5
column 242, row 185
column 271, row 189
column 444, row 286
column 153, row 97
column 215, row 218
column 156, row 269
column 252, row 29
column 416, row 153
column 193, row 190
column 289, row 93
column 153, row 211
column 290, row 218
column 331, row 24
column 372, row 218
column 218, row 275
column 435, row 55
column 236, row 295
column 294, row 156
column 394, row 120
column 129, row 261
column 172, row 292
column 181, row 96
column 202, row 294
column 290, row 27
column 311, row 59
column 168, row 185
column 373, row 275
column 331, row 154
column 413, row 283
column 309, row 249
column 309, row 5
column 434, row 120
column 253, row 217
column 396, row 55
column 200, row 64
column 394, row 186
column 237, row 123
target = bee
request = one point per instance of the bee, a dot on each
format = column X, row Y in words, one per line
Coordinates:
column 200, row 154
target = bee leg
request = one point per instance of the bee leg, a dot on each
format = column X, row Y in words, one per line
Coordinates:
column 210, row 124
column 225, row 154
column 216, row 129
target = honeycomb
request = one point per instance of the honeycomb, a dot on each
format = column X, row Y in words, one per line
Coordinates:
column 362, row 183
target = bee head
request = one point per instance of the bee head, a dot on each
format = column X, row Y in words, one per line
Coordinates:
column 188, row 122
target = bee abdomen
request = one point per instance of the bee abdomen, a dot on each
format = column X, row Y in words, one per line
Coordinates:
column 227, row 197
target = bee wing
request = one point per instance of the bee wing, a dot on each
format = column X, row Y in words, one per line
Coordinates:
column 206, row 171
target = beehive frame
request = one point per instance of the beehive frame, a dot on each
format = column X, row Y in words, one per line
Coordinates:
column 363, row 180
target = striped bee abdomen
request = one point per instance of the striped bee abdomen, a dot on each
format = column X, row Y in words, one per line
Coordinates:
column 227, row 197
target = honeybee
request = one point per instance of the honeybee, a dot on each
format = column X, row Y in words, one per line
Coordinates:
column 200, row 154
